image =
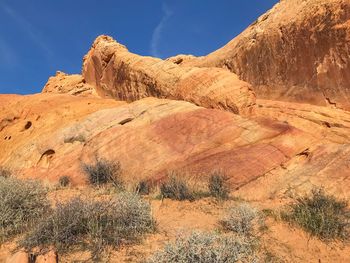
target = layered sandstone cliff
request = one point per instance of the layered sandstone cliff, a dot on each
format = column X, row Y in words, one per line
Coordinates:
column 117, row 73
column 298, row 51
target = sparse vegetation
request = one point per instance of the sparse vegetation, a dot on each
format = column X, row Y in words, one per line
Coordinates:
column 76, row 138
column 176, row 188
column 64, row 181
column 320, row 215
column 92, row 225
column 206, row 248
column 4, row 172
column 143, row 188
column 217, row 186
column 240, row 219
column 272, row 258
column 104, row 171
column 21, row 204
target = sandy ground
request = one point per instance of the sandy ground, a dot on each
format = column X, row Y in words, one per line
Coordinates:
column 177, row 217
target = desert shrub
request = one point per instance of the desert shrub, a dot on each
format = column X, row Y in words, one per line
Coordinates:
column 92, row 225
column 217, row 186
column 64, row 181
column 240, row 219
column 269, row 257
column 143, row 188
column 176, row 188
column 320, row 215
column 206, row 248
column 104, row 171
column 4, row 172
column 21, row 203
column 76, row 138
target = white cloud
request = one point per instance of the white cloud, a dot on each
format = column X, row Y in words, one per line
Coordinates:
column 8, row 56
column 158, row 30
column 28, row 28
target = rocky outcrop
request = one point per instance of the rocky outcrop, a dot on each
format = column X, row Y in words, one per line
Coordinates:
column 149, row 137
column 304, row 143
column 323, row 122
column 298, row 51
column 117, row 73
column 68, row 84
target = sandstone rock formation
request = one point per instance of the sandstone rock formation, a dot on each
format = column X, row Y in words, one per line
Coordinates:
column 117, row 73
column 19, row 257
column 68, row 84
column 298, row 51
column 196, row 115
column 149, row 137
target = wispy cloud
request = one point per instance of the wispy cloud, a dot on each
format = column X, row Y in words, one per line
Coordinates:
column 8, row 56
column 34, row 34
column 158, row 30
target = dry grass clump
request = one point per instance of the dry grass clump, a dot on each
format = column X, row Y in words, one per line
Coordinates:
column 4, row 172
column 206, row 248
column 92, row 225
column 64, row 181
column 143, row 188
column 104, row 171
column 176, row 188
column 321, row 215
column 241, row 219
column 21, row 204
column 217, row 186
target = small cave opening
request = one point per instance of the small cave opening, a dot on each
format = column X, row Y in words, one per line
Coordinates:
column 28, row 125
column 32, row 258
column 46, row 158
column 125, row 121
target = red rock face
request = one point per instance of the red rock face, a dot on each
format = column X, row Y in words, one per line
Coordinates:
column 119, row 74
column 298, row 51
column 68, row 84
column 149, row 137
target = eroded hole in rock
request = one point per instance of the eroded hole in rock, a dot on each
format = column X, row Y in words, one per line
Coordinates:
column 28, row 125
column 305, row 153
column 178, row 61
column 46, row 158
column 327, row 124
column 125, row 121
column 32, row 258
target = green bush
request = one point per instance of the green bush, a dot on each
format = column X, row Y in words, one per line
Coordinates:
column 320, row 215
column 104, row 171
column 240, row 219
column 21, row 204
column 206, row 248
column 64, row 181
column 217, row 185
column 176, row 188
column 92, row 225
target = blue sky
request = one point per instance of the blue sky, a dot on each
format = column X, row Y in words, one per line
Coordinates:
column 38, row 37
